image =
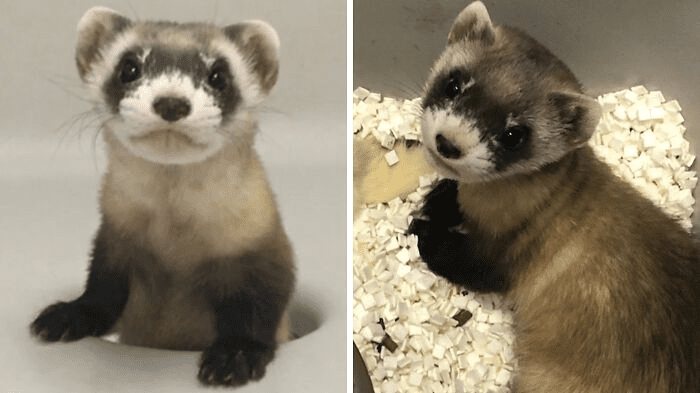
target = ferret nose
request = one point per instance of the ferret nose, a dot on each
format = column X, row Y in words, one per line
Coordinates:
column 446, row 148
column 172, row 109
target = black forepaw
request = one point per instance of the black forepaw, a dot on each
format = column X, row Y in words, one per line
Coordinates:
column 441, row 206
column 234, row 363
column 69, row 321
column 436, row 241
column 455, row 256
column 443, row 250
column 447, row 249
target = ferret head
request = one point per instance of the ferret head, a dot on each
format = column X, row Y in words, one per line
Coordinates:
column 176, row 93
column 498, row 103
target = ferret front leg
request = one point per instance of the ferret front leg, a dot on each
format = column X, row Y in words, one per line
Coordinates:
column 455, row 256
column 440, row 205
column 245, row 341
column 98, row 308
column 449, row 252
column 247, row 318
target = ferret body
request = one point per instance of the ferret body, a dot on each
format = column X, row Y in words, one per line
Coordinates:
column 606, row 287
column 191, row 252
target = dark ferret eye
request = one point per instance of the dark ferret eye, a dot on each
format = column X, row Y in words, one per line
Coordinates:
column 453, row 87
column 513, row 138
column 130, row 71
column 217, row 79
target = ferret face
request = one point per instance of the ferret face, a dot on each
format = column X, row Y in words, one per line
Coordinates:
column 176, row 93
column 498, row 103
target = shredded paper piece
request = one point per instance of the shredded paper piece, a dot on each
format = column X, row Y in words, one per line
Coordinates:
column 415, row 330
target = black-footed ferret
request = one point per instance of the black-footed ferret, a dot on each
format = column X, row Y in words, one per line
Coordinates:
column 606, row 287
column 191, row 252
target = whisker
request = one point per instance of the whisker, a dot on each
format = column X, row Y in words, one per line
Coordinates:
column 75, row 123
column 95, row 137
column 76, row 126
column 68, row 86
column 402, row 84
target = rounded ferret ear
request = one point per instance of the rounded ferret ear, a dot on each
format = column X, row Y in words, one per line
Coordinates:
column 97, row 27
column 578, row 114
column 474, row 24
column 259, row 43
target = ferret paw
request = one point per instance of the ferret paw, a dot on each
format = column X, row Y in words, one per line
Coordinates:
column 454, row 256
column 440, row 205
column 234, row 364
column 433, row 239
column 419, row 227
column 69, row 322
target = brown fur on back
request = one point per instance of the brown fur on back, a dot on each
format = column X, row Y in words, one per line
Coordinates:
column 606, row 286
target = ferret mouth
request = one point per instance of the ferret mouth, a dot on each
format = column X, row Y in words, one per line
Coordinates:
column 167, row 138
column 451, row 173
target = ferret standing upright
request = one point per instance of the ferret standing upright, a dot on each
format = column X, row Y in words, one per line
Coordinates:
column 191, row 253
column 605, row 286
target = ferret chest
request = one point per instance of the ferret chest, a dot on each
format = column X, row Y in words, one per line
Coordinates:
column 164, row 311
column 186, row 215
